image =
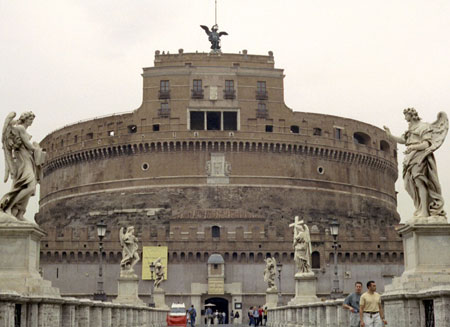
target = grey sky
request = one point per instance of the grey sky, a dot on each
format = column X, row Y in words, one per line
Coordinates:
column 366, row 60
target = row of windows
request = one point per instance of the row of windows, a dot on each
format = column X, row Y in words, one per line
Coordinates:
column 197, row 90
column 228, row 121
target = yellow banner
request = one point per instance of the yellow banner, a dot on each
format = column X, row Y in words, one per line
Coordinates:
column 149, row 255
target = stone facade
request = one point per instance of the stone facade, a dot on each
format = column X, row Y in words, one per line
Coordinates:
column 214, row 148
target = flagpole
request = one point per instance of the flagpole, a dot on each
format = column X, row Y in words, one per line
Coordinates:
column 216, row 12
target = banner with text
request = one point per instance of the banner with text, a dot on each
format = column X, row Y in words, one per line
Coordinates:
column 149, row 255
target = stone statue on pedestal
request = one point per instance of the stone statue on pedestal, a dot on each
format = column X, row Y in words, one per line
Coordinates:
column 23, row 162
column 159, row 273
column 419, row 165
column 130, row 256
column 302, row 248
column 270, row 273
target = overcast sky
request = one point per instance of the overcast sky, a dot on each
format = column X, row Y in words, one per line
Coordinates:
column 366, row 60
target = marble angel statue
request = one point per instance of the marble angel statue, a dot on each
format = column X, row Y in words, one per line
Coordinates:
column 130, row 255
column 302, row 248
column 159, row 273
column 270, row 273
column 23, row 162
column 419, row 165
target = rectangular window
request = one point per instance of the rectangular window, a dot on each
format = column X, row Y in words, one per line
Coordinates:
column 213, row 120
column 197, row 86
column 197, row 119
column 229, row 86
column 164, row 86
column 338, row 133
column 261, row 92
column 261, row 86
column 164, row 89
column 229, row 121
column 261, row 112
column 269, row 128
column 197, row 89
column 156, row 128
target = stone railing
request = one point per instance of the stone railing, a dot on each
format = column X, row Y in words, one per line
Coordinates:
column 319, row 314
column 428, row 307
column 17, row 310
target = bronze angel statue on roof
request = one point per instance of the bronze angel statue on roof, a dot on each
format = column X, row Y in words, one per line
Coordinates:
column 214, row 36
column 419, row 165
column 23, row 162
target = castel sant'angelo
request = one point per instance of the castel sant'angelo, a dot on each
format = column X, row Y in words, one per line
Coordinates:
column 214, row 165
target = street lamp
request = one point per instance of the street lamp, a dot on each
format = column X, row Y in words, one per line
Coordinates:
column 100, row 294
column 279, row 267
column 334, row 229
column 152, row 285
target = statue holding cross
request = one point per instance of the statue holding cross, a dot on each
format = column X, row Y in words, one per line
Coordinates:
column 302, row 248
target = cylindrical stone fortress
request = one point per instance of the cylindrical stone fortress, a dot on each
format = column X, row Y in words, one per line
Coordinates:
column 214, row 145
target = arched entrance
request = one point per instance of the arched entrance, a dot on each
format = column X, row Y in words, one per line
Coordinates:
column 220, row 304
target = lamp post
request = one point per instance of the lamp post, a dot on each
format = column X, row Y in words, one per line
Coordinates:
column 100, row 295
column 152, row 286
column 334, row 229
column 279, row 267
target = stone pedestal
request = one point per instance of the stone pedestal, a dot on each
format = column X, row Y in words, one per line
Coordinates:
column 427, row 257
column 159, row 297
column 305, row 289
column 19, row 260
column 271, row 298
column 127, row 292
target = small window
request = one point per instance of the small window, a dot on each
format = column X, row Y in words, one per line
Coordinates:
column 261, row 112
column 75, row 139
column 197, row 120
column 337, row 133
column 384, row 146
column 230, row 121
column 111, row 133
column 155, row 127
column 215, row 231
column 229, row 85
column 132, row 129
column 269, row 128
column 295, row 129
column 164, row 86
column 361, row 138
column 261, row 86
column 317, row 131
column 197, row 85
column 315, row 260
column 62, row 143
column 90, row 136
column 145, row 166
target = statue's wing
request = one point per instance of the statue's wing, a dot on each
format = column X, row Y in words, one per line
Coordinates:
column 122, row 243
column 222, row 33
column 207, row 31
column 274, row 262
column 7, row 142
column 440, row 130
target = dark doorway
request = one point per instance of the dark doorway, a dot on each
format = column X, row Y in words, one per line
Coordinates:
column 221, row 305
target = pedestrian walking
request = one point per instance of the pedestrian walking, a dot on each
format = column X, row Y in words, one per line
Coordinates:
column 256, row 316
column 192, row 315
column 370, row 309
column 236, row 317
column 351, row 303
column 265, row 316
column 251, row 319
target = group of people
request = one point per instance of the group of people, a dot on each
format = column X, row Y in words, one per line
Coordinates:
column 365, row 309
column 257, row 316
column 219, row 318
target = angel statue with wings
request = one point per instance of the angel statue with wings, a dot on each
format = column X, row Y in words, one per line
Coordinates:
column 419, row 166
column 23, row 162
column 302, row 248
column 214, row 36
column 159, row 272
column 270, row 273
column 130, row 256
